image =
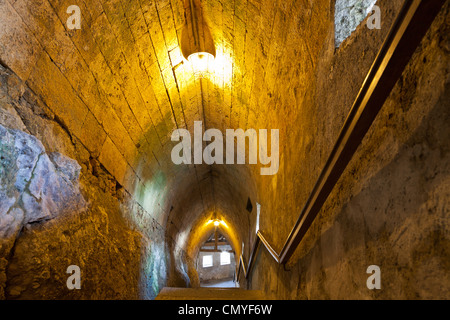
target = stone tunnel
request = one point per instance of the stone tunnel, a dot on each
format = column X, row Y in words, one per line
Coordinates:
column 98, row 99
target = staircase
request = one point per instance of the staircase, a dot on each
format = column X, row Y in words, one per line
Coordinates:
column 209, row 294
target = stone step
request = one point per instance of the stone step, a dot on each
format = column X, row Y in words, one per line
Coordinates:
column 209, row 294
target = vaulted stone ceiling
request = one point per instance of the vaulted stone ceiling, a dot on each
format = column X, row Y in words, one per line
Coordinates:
column 120, row 86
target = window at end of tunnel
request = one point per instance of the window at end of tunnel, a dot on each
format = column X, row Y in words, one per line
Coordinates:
column 225, row 258
column 207, row 261
column 348, row 15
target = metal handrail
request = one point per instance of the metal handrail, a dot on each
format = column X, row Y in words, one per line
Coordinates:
column 259, row 239
column 410, row 26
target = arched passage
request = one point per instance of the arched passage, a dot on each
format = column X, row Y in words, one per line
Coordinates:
column 110, row 95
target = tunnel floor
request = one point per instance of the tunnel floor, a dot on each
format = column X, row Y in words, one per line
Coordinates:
column 220, row 284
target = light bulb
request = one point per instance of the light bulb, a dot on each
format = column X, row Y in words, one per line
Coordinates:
column 201, row 63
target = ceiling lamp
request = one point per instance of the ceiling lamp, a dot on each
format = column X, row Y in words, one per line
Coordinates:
column 217, row 222
column 197, row 44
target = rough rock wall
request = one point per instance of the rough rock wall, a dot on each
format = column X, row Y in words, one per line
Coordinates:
column 34, row 187
column 391, row 206
column 60, row 207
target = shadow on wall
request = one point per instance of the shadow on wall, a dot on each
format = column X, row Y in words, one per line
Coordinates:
column 182, row 268
column 164, row 262
column 161, row 263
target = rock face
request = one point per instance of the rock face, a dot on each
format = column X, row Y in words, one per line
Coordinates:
column 34, row 187
column 39, row 185
column 47, row 225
